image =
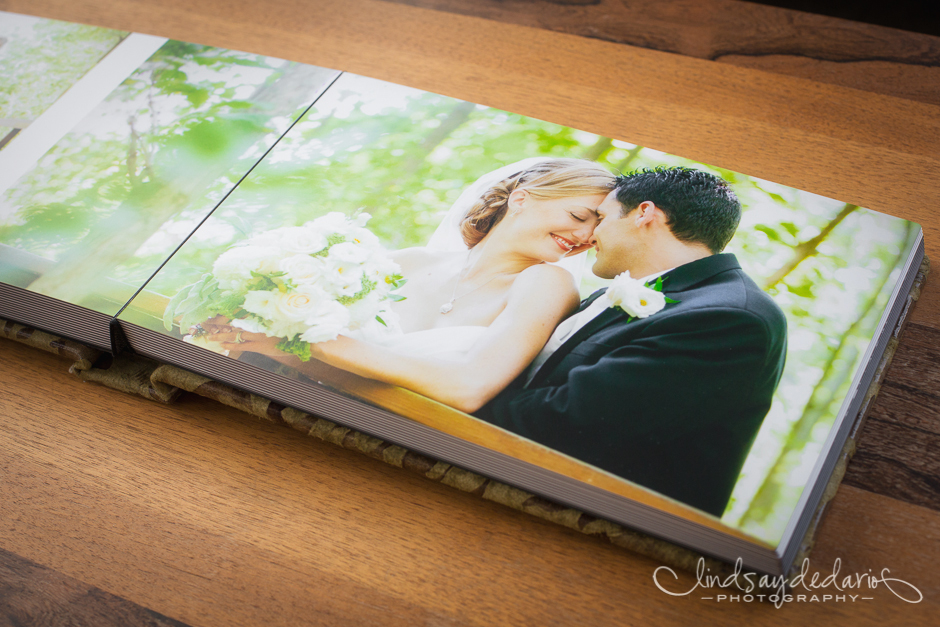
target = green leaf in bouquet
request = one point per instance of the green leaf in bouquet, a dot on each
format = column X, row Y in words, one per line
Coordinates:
column 367, row 286
column 268, row 275
column 229, row 304
column 397, row 281
column 171, row 308
column 193, row 317
column 295, row 346
column 382, row 322
column 331, row 240
column 262, row 282
column 209, row 287
column 396, row 298
column 191, row 302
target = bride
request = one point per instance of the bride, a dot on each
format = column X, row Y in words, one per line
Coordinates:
column 487, row 292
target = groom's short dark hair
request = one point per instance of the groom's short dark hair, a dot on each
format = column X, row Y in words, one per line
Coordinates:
column 699, row 207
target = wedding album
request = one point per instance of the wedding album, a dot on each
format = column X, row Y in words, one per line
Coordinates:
column 673, row 346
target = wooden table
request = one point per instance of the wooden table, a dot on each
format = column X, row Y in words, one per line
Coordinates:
column 117, row 510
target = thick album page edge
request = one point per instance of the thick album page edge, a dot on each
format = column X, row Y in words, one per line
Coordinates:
column 55, row 316
column 892, row 319
column 570, row 481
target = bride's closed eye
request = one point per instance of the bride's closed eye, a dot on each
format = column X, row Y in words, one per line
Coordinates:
column 577, row 217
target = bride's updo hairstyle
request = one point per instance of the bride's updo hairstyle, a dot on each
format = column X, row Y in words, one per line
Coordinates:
column 552, row 178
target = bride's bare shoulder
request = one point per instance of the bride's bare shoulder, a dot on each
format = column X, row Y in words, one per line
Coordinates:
column 546, row 275
column 546, row 281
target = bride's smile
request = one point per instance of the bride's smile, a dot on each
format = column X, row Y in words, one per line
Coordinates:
column 566, row 245
column 547, row 230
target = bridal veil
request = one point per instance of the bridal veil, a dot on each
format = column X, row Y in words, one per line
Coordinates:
column 447, row 235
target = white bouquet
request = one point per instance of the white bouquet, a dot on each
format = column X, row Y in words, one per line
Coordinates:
column 304, row 284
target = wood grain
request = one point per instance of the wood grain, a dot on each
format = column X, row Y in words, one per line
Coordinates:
column 31, row 594
column 207, row 516
column 899, row 449
column 245, row 522
column 746, row 34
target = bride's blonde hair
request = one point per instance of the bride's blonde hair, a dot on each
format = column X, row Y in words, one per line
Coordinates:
column 552, row 178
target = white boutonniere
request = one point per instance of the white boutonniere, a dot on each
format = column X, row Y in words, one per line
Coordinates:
column 635, row 298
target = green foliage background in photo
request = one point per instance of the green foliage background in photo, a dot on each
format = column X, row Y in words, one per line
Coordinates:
column 162, row 149
column 39, row 60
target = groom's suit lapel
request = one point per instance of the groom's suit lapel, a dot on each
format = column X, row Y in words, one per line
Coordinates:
column 590, row 299
column 606, row 317
column 678, row 280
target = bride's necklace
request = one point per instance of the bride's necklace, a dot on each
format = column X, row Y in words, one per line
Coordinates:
column 449, row 305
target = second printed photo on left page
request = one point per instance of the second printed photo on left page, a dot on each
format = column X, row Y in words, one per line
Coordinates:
column 122, row 144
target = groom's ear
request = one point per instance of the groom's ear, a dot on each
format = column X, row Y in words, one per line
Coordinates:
column 646, row 213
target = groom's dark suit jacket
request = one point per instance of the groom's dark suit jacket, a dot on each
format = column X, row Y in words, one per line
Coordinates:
column 671, row 402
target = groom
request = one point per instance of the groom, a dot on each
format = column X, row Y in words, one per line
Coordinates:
column 672, row 401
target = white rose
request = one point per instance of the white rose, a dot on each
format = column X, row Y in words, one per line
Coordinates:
column 365, row 237
column 285, row 328
column 633, row 297
column 364, row 309
column 302, row 268
column 348, row 252
column 342, row 279
column 333, row 222
column 261, row 303
column 234, row 267
column 379, row 269
column 300, row 304
column 350, row 285
column 300, row 239
column 329, row 320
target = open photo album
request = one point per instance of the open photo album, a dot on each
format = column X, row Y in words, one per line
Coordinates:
column 669, row 345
